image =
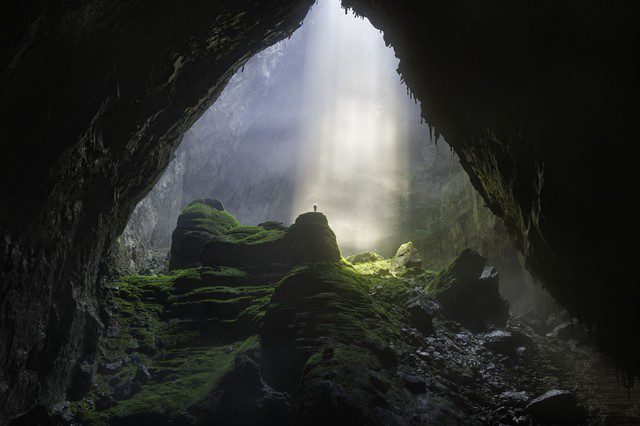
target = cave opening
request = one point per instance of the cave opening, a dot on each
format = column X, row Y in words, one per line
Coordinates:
column 323, row 118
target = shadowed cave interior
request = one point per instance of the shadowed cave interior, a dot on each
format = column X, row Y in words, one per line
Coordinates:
column 468, row 262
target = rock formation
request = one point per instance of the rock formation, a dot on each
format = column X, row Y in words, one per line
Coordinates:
column 314, row 343
column 198, row 223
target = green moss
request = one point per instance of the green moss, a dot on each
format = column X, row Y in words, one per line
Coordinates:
column 366, row 256
column 197, row 224
column 252, row 235
column 203, row 211
column 375, row 267
column 185, row 378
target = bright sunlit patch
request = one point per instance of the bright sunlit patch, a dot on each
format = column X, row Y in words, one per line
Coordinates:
column 351, row 133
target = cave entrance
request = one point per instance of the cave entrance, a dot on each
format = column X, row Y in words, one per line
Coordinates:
column 323, row 118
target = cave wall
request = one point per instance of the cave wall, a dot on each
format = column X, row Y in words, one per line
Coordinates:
column 537, row 98
column 99, row 93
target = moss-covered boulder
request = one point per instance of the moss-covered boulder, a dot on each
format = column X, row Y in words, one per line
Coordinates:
column 309, row 239
column 200, row 221
column 335, row 340
column 407, row 261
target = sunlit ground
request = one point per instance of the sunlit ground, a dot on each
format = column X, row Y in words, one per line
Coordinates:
column 351, row 134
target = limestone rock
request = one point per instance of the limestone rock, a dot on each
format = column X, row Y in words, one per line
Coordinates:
column 244, row 398
column 105, row 402
column 126, row 390
column 200, row 221
column 568, row 331
column 507, row 342
column 468, row 292
column 61, row 414
column 406, row 261
column 557, row 407
column 81, row 381
column 109, row 367
column 142, row 374
column 273, row 225
column 420, row 313
column 414, row 384
column 309, row 239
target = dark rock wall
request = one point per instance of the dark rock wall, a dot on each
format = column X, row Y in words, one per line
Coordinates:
column 537, row 98
column 99, row 93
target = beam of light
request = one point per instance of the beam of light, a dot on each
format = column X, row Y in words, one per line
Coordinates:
column 352, row 155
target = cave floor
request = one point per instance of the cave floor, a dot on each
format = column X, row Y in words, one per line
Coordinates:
column 177, row 347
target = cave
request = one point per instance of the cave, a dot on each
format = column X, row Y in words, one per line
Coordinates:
column 519, row 116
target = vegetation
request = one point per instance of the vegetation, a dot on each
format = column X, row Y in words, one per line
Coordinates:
column 251, row 235
column 155, row 318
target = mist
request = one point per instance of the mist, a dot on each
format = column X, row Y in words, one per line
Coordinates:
column 321, row 118
column 353, row 132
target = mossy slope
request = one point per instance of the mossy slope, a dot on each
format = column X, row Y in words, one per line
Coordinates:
column 186, row 329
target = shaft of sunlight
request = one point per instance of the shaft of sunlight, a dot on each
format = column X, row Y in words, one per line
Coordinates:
column 351, row 137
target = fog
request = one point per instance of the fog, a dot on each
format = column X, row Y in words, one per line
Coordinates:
column 353, row 138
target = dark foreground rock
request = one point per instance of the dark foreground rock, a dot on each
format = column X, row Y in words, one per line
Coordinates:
column 420, row 312
column 243, row 398
column 507, row 342
column 556, row 407
column 468, row 292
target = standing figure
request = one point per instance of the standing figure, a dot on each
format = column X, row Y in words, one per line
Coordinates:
column 315, row 208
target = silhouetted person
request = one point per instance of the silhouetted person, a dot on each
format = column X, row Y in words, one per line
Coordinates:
column 315, row 208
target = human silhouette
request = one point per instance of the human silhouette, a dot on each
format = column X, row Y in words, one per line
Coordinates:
column 315, row 208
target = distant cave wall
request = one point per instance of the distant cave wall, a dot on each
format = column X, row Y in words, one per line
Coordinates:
column 538, row 99
column 444, row 214
column 99, row 93
column 221, row 156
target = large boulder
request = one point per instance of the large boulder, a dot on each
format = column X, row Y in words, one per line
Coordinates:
column 200, row 221
column 420, row 313
column 407, row 261
column 569, row 331
column 309, row 239
column 556, row 407
column 507, row 342
column 468, row 292
column 243, row 398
